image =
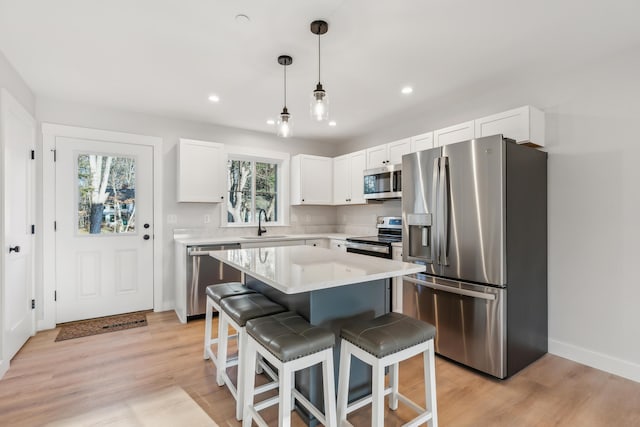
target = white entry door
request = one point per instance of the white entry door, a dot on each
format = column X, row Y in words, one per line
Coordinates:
column 104, row 228
column 18, row 139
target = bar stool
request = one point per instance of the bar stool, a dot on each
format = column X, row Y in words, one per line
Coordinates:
column 214, row 294
column 381, row 342
column 235, row 311
column 289, row 343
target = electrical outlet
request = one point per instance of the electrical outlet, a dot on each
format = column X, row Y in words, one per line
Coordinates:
column 207, row 219
column 172, row 219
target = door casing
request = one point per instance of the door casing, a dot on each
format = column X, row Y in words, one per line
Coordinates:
column 49, row 134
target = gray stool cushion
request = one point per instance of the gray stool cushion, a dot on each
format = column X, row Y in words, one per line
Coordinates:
column 224, row 290
column 387, row 334
column 245, row 307
column 288, row 336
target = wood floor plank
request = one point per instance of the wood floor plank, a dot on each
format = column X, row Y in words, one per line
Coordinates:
column 51, row 381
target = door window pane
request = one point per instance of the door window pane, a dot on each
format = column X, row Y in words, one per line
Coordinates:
column 106, row 194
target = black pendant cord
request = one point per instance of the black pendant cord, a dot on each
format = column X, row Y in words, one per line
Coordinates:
column 285, row 86
column 319, row 58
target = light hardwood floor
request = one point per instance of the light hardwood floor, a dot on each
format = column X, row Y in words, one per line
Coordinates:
column 50, row 381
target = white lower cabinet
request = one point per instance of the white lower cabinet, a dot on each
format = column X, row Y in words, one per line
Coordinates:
column 319, row 243
column 338, row 245
column 396, row 285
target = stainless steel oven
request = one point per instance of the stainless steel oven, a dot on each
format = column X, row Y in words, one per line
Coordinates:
column 389, row 231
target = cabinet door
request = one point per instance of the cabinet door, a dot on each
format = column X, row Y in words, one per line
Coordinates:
column 422, row 142
column 200, row 171
column 397, row 149
column 452, row 134
column 342, row 179
column 524, row 124
column 318, row 243
column 377, row 156
column 396, row 289
column 358, row 165
column 338, row 245
column 316, row 180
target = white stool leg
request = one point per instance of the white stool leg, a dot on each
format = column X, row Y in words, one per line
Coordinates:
column 207, row 328
column 223, row 333
column 329, row 390
column 377, row 403
column 242, row 345
column 430, row 385
column 394, row 379
column 343, row 381
column 249, row 384
column 284, row 409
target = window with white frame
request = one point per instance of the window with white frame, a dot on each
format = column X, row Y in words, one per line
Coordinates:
column 255, row 184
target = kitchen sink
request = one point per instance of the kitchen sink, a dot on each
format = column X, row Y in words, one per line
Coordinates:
column 263, row 237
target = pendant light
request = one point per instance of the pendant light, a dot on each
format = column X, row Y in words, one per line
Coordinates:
column 319, row 100
column 284, row 123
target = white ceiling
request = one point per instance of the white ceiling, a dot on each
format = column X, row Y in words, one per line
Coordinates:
column 166, row 56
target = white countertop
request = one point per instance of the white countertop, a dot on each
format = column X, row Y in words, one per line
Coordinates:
column 297, row 269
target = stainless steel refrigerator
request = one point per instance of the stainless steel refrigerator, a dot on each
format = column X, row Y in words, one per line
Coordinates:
column 475, row 213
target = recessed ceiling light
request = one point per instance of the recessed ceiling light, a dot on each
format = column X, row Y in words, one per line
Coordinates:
column 242, row 18
column 214, row 98
column 407, row 90
column 332, row 123
column 271, row 122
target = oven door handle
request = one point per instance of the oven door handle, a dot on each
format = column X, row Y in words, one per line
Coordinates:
column 465, row 292
column 370, row 248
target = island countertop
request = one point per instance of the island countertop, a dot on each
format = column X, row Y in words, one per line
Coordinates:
column 297, row 269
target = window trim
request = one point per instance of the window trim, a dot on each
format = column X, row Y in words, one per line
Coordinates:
column 283, row 161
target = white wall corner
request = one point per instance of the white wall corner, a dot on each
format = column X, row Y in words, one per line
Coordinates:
column 591, row 358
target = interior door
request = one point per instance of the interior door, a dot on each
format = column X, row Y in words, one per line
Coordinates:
column 104, row 228
column 18, row 137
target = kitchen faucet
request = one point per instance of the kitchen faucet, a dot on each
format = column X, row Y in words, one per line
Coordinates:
column 261, row 230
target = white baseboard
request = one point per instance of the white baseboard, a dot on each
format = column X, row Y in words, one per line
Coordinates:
column 601, row 361
column 4, row 367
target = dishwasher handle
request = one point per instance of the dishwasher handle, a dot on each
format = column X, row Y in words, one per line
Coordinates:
column 204, row 250
column 451, row 289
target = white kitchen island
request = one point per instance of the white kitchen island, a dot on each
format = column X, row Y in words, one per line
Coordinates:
column 328, row 288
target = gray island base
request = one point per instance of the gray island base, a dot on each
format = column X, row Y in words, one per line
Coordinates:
column 328, row 288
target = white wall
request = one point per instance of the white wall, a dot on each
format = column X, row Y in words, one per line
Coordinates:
column 593, row 140
column 190, row 215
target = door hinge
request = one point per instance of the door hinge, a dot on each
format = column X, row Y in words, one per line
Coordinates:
column 33, row 304
column 55, row 295
column 33, row 229
column 33, row 155
column 54, row 154
column 55, row 225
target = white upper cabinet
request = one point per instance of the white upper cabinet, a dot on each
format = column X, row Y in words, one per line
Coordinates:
column 311, row 180
column 421, row 142
column 388, row 154
column 452, row 134
column 524, row 125
column 201, row 171
column 348, row 184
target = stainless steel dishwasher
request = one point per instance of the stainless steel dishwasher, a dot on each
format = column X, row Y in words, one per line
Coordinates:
column 202, row 271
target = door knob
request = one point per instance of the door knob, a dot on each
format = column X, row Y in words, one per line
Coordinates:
column 15, row 249
column 146, row 237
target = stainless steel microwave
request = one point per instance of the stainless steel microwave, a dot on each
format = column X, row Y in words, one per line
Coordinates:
column 383, row 183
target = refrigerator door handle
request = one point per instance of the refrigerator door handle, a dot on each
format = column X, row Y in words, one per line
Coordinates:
column 444, row 183
column 435, row 233
column 465, row 292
